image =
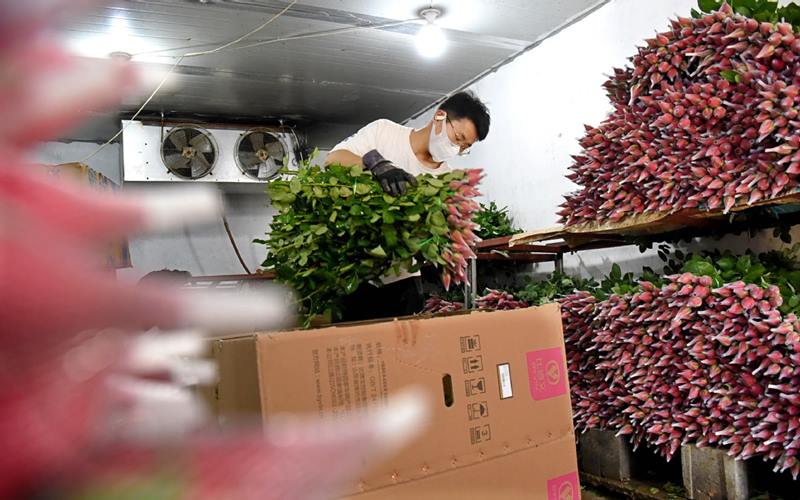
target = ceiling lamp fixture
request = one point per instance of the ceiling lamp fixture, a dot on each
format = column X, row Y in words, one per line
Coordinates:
column 430, row 39
column 120, row 55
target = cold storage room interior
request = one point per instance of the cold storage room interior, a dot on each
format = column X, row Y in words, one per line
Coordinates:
column 386, row 250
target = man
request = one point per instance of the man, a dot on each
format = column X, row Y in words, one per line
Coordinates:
column 395, row 155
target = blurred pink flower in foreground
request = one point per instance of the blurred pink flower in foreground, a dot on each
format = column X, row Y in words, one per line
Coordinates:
column 89, row 406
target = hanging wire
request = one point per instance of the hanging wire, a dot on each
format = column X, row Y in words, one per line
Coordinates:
column 233, row 244
column 230, row 46
column 318, row 34
column 146, row 102
column 180, row 59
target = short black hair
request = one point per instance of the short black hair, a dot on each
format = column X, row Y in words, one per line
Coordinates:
column 467, row 105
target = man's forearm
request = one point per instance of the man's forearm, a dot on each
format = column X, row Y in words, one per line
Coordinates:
column 343, row 157
column 393, row 180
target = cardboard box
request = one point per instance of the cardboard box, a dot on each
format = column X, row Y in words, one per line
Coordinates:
column 117, row 255
column 501, row 424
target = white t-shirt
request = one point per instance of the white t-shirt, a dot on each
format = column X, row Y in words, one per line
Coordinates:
column 393, row 142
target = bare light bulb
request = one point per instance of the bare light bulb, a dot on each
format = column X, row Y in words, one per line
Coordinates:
column 430, row 40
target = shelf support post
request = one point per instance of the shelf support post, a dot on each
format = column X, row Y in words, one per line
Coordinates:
column 559, row 263
column 470, row 290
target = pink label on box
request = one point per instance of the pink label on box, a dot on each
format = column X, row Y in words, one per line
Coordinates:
column 564, row 487
column 546, row 373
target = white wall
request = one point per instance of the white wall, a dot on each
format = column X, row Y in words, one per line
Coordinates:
column 206, row 250
column 539, row 103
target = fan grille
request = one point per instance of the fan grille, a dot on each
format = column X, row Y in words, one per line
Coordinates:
column 260, row 154
column 189, row 152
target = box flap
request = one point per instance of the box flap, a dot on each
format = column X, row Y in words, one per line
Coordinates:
column 237, row 392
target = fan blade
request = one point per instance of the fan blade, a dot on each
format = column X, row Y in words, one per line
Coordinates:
column 172, row 160
column 270, row 169
column 257, row 140
column 202, row 144
column 264, row 171
column 182, row 168
column 245, row 147
column 200, row 166
column 275, row 150
column 248, row 159
column 197, row 169
column 178, row 138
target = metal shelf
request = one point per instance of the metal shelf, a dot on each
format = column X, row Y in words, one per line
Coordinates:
column 227, row 281
column 550, row 244
column 509, row 248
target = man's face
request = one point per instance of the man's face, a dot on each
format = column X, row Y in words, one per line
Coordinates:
column 462, row 132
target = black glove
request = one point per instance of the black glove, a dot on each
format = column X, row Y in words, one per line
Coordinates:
column 392, row 179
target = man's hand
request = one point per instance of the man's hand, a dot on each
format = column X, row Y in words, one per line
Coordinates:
column 392, row 179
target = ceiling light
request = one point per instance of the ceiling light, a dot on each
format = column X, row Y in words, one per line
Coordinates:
column 117, row 41
column 120, row 55
column 430, row 39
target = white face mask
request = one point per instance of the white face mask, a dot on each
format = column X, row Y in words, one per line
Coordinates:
column 439, row 145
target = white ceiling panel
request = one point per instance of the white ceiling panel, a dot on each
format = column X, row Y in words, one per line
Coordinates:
column 344, row 78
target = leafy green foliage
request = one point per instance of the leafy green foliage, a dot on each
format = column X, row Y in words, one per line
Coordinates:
column 778, row 267
column 617, row 283
column 557, row 285
column 709, row 5
column 731, row 75
column 761, row 10
column 494, row 222
column 453, row 295
column 336, row 229
column 784, row 232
